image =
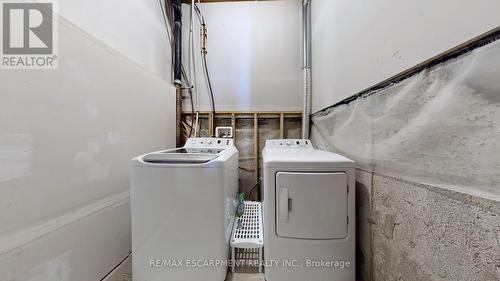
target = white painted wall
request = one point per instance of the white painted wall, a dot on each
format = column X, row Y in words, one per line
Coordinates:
column 254, row 55
column 357, row 44
column 66, row 138
column 134, row 28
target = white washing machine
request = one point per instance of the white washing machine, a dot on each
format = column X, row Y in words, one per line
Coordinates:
column 183, row 204
column 309, row 214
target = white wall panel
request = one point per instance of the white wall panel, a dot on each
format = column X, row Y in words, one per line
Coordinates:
column 77, row 247
column 66, row 139
column 357, row 44
column 254, row 55
column 134, row 28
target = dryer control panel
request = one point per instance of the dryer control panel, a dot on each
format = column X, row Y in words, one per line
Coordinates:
column 289, row 143
column 209, row 142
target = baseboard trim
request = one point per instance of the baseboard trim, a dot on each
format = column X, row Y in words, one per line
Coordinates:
column 18, row 239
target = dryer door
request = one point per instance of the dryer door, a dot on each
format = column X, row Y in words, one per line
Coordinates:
column 311, row 205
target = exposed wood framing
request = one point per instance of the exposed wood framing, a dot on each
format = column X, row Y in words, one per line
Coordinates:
column 250, row 114
column 256, row 148
column 282, row 125
column 233, row 124
column 211, row 118
column 222, row 117
column 178, row 114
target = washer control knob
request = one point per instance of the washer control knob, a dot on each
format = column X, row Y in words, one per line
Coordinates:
column 209, row 142
column 288, row 143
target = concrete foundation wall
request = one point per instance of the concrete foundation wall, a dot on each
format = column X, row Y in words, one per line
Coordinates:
column 409, row 231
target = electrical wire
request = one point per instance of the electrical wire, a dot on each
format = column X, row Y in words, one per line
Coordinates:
column 212, row 101
column 246, row 169
column 254, row 186
column 196, row 124
column 190, row 89
column 192, row 64
column 201, row 19
column 167, row 26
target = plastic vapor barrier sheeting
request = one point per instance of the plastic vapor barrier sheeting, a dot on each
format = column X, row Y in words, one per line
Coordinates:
column 439, row 127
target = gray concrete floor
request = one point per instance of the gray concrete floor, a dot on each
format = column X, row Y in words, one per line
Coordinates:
column 124, row 273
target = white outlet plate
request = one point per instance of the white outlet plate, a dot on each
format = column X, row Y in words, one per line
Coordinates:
column 224, row 132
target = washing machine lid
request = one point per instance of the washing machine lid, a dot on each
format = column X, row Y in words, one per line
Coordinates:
column 183, row 155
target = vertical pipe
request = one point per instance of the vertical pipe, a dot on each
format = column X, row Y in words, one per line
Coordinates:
column 233, row 125
column 177, row 12
column 306, row 68
column 192, row 59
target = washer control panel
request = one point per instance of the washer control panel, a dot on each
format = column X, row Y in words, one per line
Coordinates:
column 209, row 142
column 289, row 143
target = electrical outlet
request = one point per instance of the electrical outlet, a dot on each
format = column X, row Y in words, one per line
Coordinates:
column 224, row 132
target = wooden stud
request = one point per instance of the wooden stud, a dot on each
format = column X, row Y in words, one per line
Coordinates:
column 233, row 125
column 282, row 126
column 178, row 116
column 234, row 115
column 211, row 124
column 256, row 149
column 249, row 114
column 282, row 116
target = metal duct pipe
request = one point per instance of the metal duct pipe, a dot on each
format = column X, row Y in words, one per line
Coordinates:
column 306, row 68
column 177, row 13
